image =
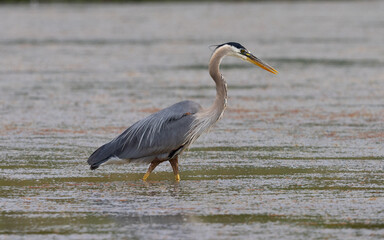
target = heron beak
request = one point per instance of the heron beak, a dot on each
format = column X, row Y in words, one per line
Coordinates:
column 252, row 59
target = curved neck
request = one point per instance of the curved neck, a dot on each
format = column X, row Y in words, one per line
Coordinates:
column 207, row 117
column 218, row 107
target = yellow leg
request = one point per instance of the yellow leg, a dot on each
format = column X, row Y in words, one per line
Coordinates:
column 146, row 175
column 153, row 165
column 175, row 166
column 177, row 177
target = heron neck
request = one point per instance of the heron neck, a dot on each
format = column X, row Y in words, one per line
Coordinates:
column 206, row 118
column 218, row 107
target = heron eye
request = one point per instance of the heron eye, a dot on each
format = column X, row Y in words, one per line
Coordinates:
column 243, row 51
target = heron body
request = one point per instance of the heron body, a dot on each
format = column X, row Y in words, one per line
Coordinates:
column 164, row 135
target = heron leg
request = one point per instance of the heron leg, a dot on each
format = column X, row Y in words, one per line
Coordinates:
column 175, row 166
column 153, row 165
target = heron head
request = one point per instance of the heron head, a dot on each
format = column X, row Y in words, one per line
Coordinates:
column 238, row 50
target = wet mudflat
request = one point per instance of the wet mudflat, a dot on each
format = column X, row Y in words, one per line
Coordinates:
column 296, row 156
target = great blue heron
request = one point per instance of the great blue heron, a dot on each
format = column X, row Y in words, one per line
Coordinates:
column 164, row 135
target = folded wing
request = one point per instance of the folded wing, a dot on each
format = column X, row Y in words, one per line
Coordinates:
column 160, row 133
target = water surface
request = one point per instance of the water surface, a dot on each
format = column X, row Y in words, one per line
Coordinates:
column 296, row 156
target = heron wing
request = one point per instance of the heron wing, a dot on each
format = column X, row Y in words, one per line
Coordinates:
column 159, row 133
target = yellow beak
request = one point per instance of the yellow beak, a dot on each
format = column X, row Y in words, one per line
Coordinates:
column 252, row 59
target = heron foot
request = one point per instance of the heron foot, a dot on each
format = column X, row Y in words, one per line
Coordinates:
column 175, row 166
column 177, row 177
column 146, row 176
column 153, row 165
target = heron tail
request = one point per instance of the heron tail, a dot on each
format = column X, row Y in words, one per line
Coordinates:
column 100, row 156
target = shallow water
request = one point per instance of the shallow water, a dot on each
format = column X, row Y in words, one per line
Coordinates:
column 296, row 156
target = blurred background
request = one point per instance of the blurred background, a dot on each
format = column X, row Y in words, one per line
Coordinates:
column 298, row 155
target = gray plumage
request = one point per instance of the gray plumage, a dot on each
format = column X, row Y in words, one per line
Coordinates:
column 154, row 136
column 164, row 135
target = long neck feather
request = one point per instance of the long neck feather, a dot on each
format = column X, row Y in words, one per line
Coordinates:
column 217, row 109
column 209, row 116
